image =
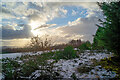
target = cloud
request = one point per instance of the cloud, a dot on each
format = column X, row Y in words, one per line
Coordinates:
column 44, row 9
column 10, row 33
column 63, row 11
column 44, row 26
column 36, row 6
column 43, row 12
column 37, row 17
column 16, row 42
column 74, row 12
column 6, row 11
column 77, row 21
column 83, row 26
column 8, row 27
column 40, row 13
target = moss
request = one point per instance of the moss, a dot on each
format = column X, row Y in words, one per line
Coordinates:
column 92, row 73
column 112, row 64
column 84, row 69
column 74, row 76
column 75, row 61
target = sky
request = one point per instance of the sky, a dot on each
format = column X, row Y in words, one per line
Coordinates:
column 62, row 21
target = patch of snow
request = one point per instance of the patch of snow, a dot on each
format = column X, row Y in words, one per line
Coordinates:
column 11, row 55
column 14, row 55
column 1, row 76
column 35, row 74
column 67, row 67
column 50, row 61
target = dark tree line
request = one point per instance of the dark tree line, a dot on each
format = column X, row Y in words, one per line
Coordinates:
column 108, row 32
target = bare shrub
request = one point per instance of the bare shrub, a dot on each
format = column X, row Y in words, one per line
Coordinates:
column 41, row 43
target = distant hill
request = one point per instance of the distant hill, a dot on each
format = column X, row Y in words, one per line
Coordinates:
column 5, row 47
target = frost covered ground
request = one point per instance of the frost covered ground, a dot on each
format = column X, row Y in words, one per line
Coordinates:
column 82, row 67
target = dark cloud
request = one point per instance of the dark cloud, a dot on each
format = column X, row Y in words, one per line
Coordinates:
column 45, row 25
column 4, row 10
column 16, row 34
column 33, row 16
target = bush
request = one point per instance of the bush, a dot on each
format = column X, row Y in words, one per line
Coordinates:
column 85, row 46
column 68, row 53
column 9, row 67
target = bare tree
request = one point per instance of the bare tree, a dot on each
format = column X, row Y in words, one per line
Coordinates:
column 40, row 43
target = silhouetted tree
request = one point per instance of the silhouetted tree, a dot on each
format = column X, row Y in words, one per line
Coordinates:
column 38, row 43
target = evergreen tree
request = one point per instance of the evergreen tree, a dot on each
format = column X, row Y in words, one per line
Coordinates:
column 98, row 43
column 108, row 34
